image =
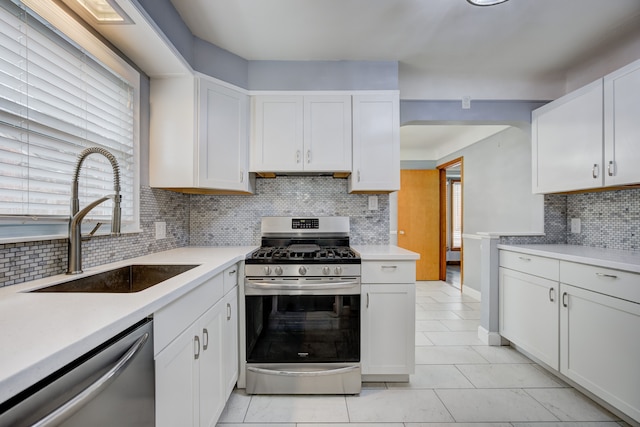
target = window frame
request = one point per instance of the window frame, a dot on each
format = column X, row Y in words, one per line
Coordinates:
column 27, row 228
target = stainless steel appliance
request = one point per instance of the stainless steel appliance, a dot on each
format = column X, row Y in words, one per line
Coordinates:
column 113, row 385
column 302, row 305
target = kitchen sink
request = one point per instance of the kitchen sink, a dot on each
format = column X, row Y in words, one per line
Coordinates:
column 128, row 279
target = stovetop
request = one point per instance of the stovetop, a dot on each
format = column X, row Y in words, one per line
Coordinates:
column 308, row 253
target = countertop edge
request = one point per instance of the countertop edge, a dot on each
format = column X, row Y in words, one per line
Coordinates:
column 384, row 253
column 601, row 257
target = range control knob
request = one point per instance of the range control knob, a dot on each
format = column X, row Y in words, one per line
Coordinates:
column 278, row 270
column 267, row 270
column 338, row 270
column 302, row 270
column 326, row 270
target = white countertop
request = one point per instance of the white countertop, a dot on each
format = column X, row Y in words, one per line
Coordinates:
column 42, row 332
column 601, row 257
column 384, row 252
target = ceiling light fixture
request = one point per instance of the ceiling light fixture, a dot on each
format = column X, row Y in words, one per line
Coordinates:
column 486, row 2
column 105, row 11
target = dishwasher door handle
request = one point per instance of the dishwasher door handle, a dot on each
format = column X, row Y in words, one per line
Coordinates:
column 59, row 415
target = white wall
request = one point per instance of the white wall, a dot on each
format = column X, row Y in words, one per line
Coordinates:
column 497, row 193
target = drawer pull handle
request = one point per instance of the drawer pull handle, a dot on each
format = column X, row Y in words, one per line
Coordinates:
column 389, row 266
column 564, row 299
column 610, row 168
column 232, row 272
column 367, row 299
column 196, row 349
column 595, row 171
column 524, row 258
column 205, row 339
column 608, row 276
column 552, row 294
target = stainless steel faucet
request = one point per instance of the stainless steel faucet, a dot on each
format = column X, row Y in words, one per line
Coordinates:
column 74, row 260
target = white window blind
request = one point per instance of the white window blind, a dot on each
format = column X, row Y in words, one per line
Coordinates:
column 456, row 214
column 55, row 100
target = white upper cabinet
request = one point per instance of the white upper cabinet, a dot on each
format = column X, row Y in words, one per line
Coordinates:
column 588, row 139
column 622, row 126
column 567, row 142
column 301, row 133
column 198, row 136
column 376, row 143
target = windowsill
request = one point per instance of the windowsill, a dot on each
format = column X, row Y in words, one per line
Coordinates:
column 26, row 239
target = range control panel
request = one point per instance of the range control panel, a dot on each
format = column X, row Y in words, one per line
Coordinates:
column 305, row 223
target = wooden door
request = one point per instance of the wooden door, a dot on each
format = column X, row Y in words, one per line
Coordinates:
column 419, row 219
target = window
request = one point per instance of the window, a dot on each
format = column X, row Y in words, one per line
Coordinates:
column 456, row 214
column 57, row 97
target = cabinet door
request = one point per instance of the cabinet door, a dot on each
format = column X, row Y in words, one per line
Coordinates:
column 567, row 142
column 621, row 126
column 376, row 143
column 212, row 400
column 222, row 139
column 229, row 345
column 276, row 143
column 177, row 382
column 388, row 329
column 528, row 313
column 600, row 346
column 327, row 133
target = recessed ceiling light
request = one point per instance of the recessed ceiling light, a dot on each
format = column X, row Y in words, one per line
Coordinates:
column 105, row 11
column 486, row 2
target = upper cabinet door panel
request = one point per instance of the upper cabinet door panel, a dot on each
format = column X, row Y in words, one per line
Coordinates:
column 223, row 134
column 622, row 126
column 376, row 143
column 567, row 136
column 276, row 144
column 327, row 133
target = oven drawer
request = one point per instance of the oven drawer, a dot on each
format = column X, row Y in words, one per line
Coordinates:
column 317, row 378
column 388, row 271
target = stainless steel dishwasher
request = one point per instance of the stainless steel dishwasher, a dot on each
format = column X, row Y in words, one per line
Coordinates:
column 112, row 385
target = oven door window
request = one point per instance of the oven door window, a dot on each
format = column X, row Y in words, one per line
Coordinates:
column 303, row 328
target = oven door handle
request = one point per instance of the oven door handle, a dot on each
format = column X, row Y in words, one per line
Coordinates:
column 321, row 373
column 276, row 286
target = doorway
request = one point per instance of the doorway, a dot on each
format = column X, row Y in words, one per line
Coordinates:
column 451, row 209
column 419, row 219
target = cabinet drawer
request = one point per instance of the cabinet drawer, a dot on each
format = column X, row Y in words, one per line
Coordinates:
column 171, row 320
column 531, row 264
column 616, row 283
column 230, row 278
column 388, row 272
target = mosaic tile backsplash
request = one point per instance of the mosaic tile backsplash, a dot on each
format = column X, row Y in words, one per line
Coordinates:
column 235, row 220
column 609, row 219
column 21, row 262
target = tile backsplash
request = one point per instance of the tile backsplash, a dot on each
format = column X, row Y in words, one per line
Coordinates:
column 200, row 220
column 21, row 262
column 235, row 220
column 609, row 219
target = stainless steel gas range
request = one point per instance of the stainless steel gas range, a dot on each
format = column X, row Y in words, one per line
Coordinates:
column 302, row 305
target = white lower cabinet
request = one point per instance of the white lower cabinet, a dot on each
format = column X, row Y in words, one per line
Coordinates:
column 230, row 360
column 197, row 370
column 532, row 326
column 388, row 329
column 581, row 320
column 600, row 346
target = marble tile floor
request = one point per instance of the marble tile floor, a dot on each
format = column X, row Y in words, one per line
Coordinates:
column 459, row 381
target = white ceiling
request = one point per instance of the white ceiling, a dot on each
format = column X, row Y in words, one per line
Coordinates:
column 523, row 39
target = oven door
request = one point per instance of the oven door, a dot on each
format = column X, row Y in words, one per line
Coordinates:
column 303, row 336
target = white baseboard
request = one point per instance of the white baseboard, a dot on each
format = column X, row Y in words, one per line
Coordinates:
column 491, row 338
column 471, row 292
